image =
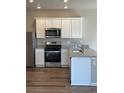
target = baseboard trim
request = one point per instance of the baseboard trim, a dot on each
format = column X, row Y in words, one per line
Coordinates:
column 39, row 65
column 93, row 84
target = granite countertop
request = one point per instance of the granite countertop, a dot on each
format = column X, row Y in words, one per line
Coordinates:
column 40, row 46
column 74, row 53
column 66, row 47
column 87, row 53
column 63, row 46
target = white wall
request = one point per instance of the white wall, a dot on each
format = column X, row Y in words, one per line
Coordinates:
column 90, row 22
column 90, row 27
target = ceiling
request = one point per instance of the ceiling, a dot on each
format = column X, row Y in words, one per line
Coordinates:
column 59, row 4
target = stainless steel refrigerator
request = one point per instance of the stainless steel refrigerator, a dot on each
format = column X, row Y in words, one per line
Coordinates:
column 30, row 46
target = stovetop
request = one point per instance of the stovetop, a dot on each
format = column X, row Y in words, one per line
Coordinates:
column 53, row 46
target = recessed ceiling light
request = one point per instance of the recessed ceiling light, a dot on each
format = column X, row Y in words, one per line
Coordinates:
column 38, row 6
column 65, row 6
column 65, row 1
column 31, row 1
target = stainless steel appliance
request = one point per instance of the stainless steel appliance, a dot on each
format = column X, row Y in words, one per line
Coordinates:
column 52, row 55
column 30, row 45
column 53, row 32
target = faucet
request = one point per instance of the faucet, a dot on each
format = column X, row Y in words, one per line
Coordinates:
column 82, row 47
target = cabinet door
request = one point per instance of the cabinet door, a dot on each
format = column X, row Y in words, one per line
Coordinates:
column 80, row 71
column 66, row 27
column 40, row 28
column 53, row 22
column 39, row 57
column 49, row 22
column 93, row 71
column 65, row 58
column 76, row 25
column 56, row 23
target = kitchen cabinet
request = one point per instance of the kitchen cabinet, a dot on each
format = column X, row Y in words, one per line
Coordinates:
column 80, row 71
column 72, row 27
column 66, row 28
column 65, row 62
column 53, row 22
column 93, row 71
column 40, row 27
column 84, row 71
column 39, row 57
column 76, row 28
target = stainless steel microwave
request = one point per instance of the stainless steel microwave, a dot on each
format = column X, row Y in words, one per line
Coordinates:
column 53, row 32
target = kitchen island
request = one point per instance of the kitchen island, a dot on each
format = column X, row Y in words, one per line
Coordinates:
column 83, row 67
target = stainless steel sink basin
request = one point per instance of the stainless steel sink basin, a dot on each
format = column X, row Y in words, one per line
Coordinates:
column 75, row 51
column 78, row 51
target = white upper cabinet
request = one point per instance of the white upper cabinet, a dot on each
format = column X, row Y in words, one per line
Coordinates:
column 71, row 26
column 57, row 23
column 40, row 27
column 53, row 22
column 76, row 28
column 66, row 28
column 49, row 23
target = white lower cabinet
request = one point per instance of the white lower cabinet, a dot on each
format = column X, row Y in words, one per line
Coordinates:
column 39, row 57
column 65, row 62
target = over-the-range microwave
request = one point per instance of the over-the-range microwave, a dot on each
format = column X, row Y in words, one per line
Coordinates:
column 52, row 32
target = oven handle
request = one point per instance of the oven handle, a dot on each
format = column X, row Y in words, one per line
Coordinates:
column 52, row 51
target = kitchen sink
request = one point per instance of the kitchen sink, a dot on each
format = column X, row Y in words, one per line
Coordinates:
column 75, row 51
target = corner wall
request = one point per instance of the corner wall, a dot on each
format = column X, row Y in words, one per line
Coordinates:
column 90, row 27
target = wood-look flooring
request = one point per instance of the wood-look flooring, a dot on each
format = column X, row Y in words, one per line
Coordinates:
column 52, row 80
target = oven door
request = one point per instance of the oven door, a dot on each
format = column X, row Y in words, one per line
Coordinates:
column 52, row 56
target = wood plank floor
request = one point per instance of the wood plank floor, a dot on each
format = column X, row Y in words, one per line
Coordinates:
column 52, row 80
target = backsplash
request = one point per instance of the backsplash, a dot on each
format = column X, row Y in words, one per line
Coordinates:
column 64, row 41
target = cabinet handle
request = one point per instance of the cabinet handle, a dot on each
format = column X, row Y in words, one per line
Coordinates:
column 94, row 62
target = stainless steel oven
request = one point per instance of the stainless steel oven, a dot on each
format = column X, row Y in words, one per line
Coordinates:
column 53, row 33
column 53, row 56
